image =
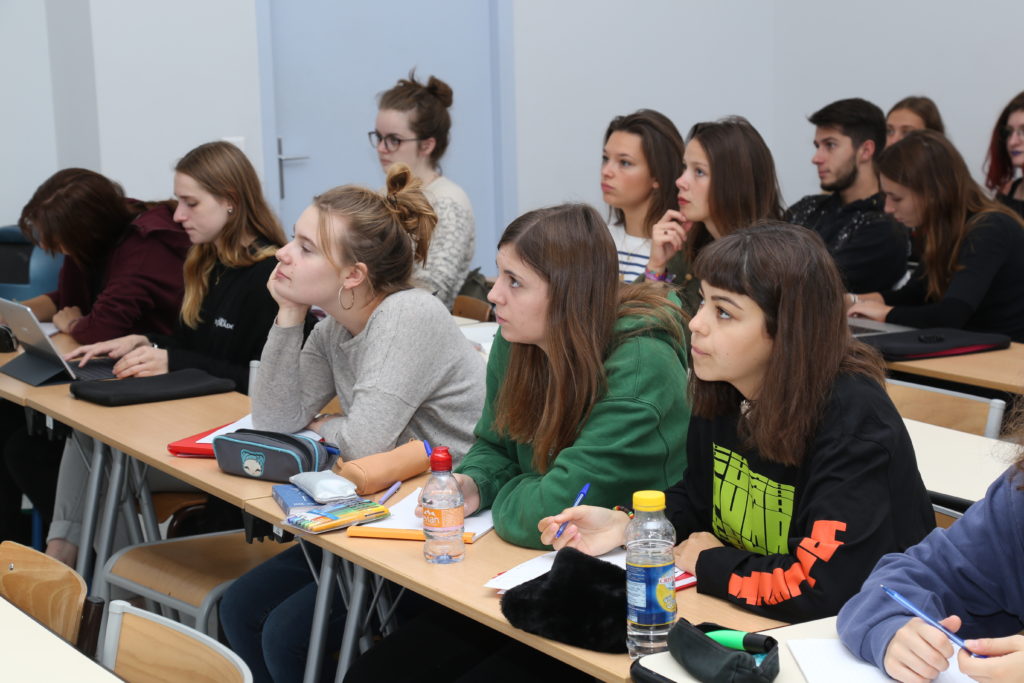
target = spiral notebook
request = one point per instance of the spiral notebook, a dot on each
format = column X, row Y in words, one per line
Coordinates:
column 404, row 524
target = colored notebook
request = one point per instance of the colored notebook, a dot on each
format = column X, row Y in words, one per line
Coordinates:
column 404, row 524
column 192, row 446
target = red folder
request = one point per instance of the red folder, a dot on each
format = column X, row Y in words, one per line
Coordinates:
column 190, row 446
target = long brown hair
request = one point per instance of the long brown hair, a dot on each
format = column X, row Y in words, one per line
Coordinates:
column 78, row 212
column 998, row 168
column 790, row 275
column 949, row 200
column 428, row 105
column 744, row 187
column 662, row 146
column 545, row 398
column 386, row 232
column 223, row 170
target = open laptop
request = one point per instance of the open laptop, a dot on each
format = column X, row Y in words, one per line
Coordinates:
column 42, row 363
column 865, row 327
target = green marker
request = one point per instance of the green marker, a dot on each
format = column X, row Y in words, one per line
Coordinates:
column 756, row 643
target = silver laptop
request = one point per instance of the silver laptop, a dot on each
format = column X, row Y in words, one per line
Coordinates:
column 42, row 363
column 865, row 327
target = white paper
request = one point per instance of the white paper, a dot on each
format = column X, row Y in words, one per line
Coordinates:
column 481, row 334
column 246, row 423
column 49, row 329
column 826, row 660
column 403, row 516
column 542, row 564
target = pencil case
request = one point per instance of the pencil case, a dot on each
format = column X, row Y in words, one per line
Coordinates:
column 378, row 471
column 270, row 456
column 710, row 661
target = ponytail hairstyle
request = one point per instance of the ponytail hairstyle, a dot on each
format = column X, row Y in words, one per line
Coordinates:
column 546, row 398
column 951, row 202
column 663, row 148
column 790, row 275
column 428, row 109
column 744, row 188
column 386, row 232
column 78, row 212
column 998, row 168
column 252, row 232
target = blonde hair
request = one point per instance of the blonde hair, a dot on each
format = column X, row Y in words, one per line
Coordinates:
column 223, row 170
column 386, row 232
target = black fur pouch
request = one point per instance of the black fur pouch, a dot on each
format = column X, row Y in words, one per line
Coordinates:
column 581, row 601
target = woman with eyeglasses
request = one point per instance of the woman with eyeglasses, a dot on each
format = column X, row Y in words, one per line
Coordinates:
column 1006, row 156
column 412, row 128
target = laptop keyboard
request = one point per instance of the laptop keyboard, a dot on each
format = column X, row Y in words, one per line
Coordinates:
column 97, row 368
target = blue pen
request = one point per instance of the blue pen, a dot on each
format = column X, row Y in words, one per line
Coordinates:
column 579, row 499
column 916, row 611
column 427, row 448
column 390, row 492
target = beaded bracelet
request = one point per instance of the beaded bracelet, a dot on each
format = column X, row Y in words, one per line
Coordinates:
column 622, row 508
column 662, row 277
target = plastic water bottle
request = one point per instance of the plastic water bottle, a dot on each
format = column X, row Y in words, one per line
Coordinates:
column 443, row 509
column 650, row 575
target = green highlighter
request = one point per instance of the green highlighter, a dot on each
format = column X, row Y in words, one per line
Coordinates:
column 754, row 643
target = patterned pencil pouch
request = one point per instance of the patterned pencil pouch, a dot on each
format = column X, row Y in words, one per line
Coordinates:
column 270, row 456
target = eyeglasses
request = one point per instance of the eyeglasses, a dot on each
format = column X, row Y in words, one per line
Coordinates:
column 391, row 142
column 1009, row 132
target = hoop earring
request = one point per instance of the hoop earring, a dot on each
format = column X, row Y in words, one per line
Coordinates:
column 343, row 306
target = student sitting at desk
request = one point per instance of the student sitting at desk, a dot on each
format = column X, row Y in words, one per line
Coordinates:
column 800, row 472
column 1006, row 156
column 728, row 183
column 642, row 157
column 969, row 276
column 121, row 274
column 393, row 355
column 967, row 576
column 586, row 381
column 225, row 315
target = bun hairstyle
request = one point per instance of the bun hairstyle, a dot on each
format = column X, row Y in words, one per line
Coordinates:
column 223, row 170
column 386, row 232
column 428, row 106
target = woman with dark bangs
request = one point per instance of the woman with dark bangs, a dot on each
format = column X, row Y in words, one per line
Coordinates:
column 586, row 381
column 728, row 183
column 972, row 247
column 801, row 474
column 1006, row 156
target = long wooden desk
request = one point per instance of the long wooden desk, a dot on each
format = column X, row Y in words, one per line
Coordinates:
column 461, row 586
column 31, row 652
column 956, row 463
column 999, row 370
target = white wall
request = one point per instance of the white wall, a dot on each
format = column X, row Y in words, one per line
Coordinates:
column 578, row 63
column 26, row 116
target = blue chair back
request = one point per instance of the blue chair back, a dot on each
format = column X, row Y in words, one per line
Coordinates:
column 25, row 270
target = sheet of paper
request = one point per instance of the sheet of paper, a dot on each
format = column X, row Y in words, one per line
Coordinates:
column 826, row 660
column 481, row 334
column 246, row 423
column 49, row 329
column 541, row 564
column 403, row 516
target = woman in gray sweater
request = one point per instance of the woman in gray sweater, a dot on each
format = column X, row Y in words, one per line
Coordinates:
column 391, row 353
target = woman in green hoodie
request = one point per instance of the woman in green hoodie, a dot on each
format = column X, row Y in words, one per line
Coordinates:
column 586, row 381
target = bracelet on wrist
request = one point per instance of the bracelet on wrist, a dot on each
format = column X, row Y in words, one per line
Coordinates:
column 623, row 508
column 659, row 277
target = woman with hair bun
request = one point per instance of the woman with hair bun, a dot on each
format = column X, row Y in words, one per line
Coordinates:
column 412, row 128
column 390, row 352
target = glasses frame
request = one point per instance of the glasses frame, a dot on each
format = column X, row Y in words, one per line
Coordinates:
column 391, row 141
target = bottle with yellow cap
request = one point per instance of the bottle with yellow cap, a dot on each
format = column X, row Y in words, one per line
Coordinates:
column 650, row 575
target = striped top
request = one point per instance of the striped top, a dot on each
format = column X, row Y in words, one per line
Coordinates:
column 633, row 252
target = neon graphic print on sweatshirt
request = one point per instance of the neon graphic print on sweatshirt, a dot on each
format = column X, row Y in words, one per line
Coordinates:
column 752, row 512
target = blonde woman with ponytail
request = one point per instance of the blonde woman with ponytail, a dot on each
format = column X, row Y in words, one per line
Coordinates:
column 225, row 314
column 389, row 351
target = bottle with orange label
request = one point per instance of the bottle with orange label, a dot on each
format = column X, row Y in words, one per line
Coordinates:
column 442, row 512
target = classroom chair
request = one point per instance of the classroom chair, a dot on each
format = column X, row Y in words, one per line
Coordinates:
column 142, row 646
column 470, row 307
column 27, row 270
column 50, row 592
column 188, row 574
column 945, row 408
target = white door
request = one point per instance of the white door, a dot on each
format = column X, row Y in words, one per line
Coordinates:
column 329, row 61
